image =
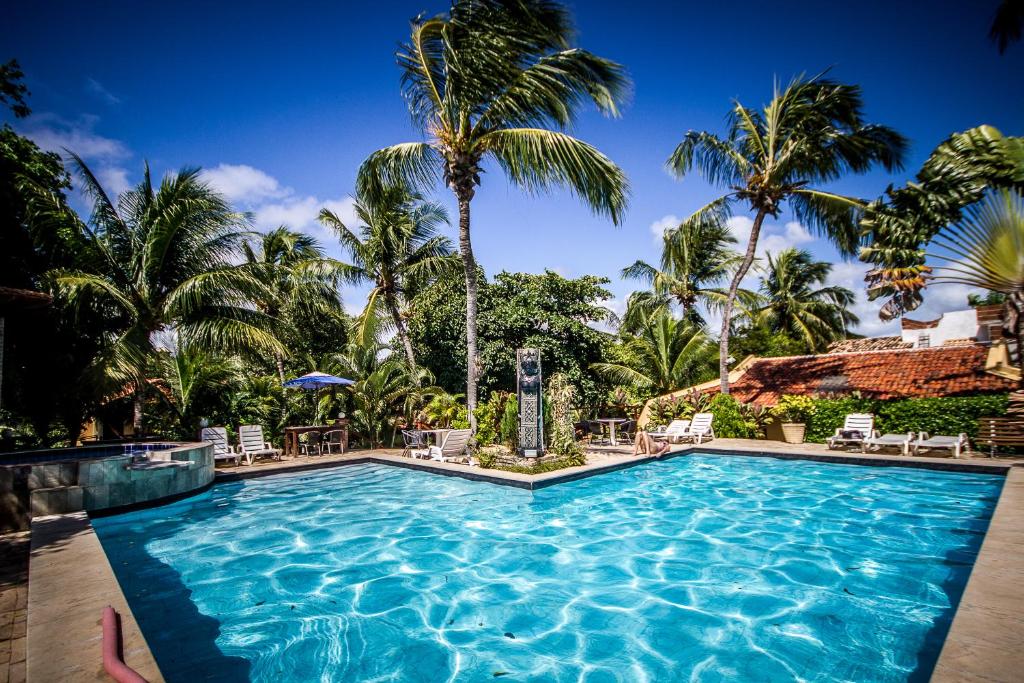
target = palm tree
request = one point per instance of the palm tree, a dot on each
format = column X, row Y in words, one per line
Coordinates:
column 985, row 250
column 668, row 354
column 163, row 264
column 695, row 259
column 397, row 250
column 796, row 302
column 298, row 279
column 1007, row 24
column 812, row 132
column 187, row 373
column 498, row 79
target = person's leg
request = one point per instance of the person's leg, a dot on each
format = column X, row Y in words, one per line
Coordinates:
column 639, row 442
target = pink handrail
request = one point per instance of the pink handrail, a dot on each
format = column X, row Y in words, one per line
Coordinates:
column 118, row 670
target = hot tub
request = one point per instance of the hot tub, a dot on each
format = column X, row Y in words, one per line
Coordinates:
column 94, row 478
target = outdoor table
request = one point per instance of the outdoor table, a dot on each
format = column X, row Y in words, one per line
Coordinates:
column 611, row 422
column 291, row 435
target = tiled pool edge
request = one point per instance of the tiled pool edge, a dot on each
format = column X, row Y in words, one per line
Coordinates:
column 969, row 652
column 70, row 582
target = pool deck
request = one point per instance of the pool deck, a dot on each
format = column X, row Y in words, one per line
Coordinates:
column 71, row 578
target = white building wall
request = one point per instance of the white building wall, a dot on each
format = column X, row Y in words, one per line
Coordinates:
column 952, row 325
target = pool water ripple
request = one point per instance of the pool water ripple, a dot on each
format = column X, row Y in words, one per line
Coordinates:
column 704, row 567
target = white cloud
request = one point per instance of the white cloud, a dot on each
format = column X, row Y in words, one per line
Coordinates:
column 96, row 88
column 662, row 225
column 55, row 134
column 114, row 179
column 244, row 184
column 773, row 237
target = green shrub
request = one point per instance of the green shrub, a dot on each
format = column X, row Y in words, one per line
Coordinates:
column 508, row 429
column 944, row 415
column 730, row 421
column 563, row 433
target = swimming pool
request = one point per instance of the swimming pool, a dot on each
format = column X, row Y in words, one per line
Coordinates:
column 704, row 567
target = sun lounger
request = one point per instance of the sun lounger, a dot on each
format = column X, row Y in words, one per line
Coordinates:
column 955, row 444
column 700, row 428
column 901, row 441
column 218, row 436
column 856, row 428
column 252, row 445
column 452, row 448
column 676, row 430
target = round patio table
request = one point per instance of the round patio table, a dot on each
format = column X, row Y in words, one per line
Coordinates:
column 612, row 422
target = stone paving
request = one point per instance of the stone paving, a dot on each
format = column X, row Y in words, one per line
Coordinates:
column 14, row 550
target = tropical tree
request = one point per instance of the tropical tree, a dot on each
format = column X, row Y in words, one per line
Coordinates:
column 299, row 281
column 668, row 354
column 811, row 132
column 161, row 263
column 1007, row 24
column 498, row 79
column 187, row 375
column 696, row 258
column 397, row 250
column 986, row 249
column 899, row 225
column 797, row 302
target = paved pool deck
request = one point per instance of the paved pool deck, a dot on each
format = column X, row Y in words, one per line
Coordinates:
column 71, row 578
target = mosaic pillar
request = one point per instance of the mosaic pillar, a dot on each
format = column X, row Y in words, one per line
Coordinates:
column 531, row 408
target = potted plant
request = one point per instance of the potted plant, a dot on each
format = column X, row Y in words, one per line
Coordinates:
column 793, row 413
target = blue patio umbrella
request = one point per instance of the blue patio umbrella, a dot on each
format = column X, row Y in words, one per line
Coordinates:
column 317, row 380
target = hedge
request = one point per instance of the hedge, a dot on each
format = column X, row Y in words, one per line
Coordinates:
column 948, row 415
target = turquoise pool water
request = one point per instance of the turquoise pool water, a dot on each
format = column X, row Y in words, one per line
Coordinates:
column 705, row 567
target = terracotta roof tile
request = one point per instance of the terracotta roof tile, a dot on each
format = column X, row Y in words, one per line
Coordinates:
column 902, row 373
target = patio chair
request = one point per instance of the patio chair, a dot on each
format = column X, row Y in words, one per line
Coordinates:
column 955, row 444
column 253, row 445
column 413, row 439
column 700, row 428
column 596, row 431
column 627, row 430
column 676, row 429
column 901, row 441
column 452, row 448
column 222, row 451
column 333, row 439
column 856, row 428
column 309, row 443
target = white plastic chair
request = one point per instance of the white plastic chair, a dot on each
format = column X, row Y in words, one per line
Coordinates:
column 453, row 447
column 700, row 428
column 676, row 430
column 855, row 422
column 901, row 441
column 955, row 444
column 252, row 444
column 218, row 436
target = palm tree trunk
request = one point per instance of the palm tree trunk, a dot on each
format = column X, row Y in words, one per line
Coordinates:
column 137, row 412
column 403, row 334
column 280, row 366
column 748, row 258
column 469, row 264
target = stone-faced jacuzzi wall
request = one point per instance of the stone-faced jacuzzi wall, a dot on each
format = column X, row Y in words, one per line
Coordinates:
column 70, row 485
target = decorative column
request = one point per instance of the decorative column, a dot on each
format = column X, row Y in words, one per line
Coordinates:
column 531, row 407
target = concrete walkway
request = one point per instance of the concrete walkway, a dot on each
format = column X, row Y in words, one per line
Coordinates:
column 13, row 606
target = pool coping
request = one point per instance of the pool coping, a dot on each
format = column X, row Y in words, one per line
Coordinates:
column 993, row 599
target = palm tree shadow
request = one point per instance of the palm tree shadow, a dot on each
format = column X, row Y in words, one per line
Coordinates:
column 182, row 639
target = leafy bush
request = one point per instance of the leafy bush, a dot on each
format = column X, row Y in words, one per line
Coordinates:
column 508, row 428
column 683, row 407
column 563, row 433
column 941, row 415
column 489, row 416
column 794, row 409
column 731, row 420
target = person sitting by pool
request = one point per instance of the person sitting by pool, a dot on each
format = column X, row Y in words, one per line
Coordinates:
column 645, row 444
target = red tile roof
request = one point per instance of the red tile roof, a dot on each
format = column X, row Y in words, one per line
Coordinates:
column 903, row 373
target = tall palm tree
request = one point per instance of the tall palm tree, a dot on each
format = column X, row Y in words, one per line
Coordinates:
column 696, row 258
column 163, row 265
column 811, row 132
column 299, row 279
column 1007, row 24
column 186, row 373
column 796, row 301
column 668, row 354
column 498, row 79
column 397, row 250
column 986, row 249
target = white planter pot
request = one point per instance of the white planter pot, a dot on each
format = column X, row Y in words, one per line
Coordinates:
column 793, row 432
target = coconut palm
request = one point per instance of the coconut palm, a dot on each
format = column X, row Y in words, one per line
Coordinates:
column 668, row 354
column 498, row 79
column 986, row 249
column 163, row 265
column 186, row 374
column 397, row 250
column 1007, row 24
column 695, row 259
column 796, row 301
column 811, row 132
column 299, row 280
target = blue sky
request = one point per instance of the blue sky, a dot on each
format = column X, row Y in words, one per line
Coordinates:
column 281, row 104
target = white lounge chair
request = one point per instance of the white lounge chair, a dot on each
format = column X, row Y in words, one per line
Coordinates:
column 901, row 441
column 700, row 428
column 252, row 444
column 676, row 429
column 956, row 444
column 218, row 436
column 452, row 447
column 856, row 428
